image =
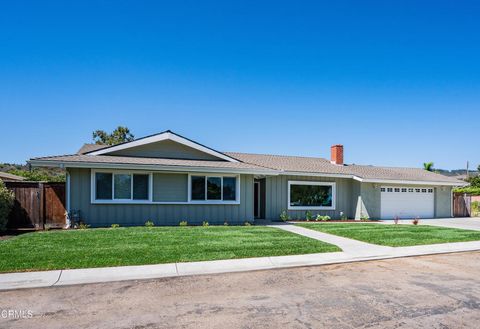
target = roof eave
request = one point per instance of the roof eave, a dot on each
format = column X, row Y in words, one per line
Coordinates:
column 406, row 181
column 154, row 167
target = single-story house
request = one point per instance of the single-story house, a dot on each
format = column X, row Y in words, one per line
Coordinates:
column 168, row 178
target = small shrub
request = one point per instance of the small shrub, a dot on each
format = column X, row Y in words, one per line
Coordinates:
column 149, row 223
column 225, row 223
column 205, row 223
column 83, row 226
column 284, row 216
column 364, row 218
column 308, row 216
column 115, row 225
column 247, row 223
column 183, row 223
column 416, row 221
column 6, row 203
column 323, row 218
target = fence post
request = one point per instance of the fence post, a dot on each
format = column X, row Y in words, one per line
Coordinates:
column 41, row 190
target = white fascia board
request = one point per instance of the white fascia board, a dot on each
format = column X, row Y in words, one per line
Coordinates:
column 162, row 137
column 410, row 182
column 96, row 165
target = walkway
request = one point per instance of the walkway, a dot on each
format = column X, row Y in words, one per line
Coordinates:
column 350, row 246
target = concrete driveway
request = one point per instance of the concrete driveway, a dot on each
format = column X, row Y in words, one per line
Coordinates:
column 441, row 291
column 467, row 223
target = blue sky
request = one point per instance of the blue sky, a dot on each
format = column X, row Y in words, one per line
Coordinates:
column 396, row 82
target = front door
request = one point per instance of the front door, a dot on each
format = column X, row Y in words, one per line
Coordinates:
column 256, row 199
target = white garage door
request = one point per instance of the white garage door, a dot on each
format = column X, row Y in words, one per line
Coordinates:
column 406, row 202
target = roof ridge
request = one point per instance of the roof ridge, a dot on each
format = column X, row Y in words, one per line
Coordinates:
column 278, row 155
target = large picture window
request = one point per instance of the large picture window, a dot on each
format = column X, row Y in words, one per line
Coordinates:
column 213, row 188
column 136, row 187
column 304, row 195
column 121, row 187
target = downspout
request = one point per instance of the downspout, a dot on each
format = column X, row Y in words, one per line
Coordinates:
column 451, row 202
column 67, row 200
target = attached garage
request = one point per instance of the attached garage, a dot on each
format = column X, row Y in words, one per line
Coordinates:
column 407, row 202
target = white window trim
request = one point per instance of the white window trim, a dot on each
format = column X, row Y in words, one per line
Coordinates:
column 334, row 195
column 150, row 189
column 207, row 175
column 120, row 201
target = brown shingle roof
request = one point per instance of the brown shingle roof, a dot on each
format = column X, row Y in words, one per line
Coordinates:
column 259, row 162
column 90, row 147
column 320, row 165
column 108, row 159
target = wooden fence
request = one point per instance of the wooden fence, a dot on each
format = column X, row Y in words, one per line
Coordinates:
column 36, row 205
column 461, row 205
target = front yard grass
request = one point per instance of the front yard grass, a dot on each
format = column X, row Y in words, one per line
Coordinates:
column 141, row 245
column 395, row 235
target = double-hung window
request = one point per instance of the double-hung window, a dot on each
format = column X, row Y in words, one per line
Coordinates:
column 214, row 189
column 121, row 187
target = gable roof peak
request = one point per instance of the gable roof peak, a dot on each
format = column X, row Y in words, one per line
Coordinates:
column 162, row 136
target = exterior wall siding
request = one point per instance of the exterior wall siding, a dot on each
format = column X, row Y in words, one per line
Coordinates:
column 170, row 187
column 443, row 201
column 277, row 199
column 370, row 205
column 165, row 149
column 98, row 215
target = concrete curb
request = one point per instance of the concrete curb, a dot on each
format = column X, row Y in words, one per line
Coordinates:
column 11, row 281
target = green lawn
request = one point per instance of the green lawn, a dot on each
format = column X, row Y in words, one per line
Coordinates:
column 141, row 245
column 395, row 235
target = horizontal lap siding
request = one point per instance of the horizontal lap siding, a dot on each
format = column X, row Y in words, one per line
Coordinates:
column 138, row 214
column 277, row 198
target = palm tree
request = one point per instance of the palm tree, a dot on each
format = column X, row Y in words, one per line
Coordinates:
column 428, row 166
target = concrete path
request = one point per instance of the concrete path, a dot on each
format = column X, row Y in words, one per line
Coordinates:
column 350, row 246
column 353, row 251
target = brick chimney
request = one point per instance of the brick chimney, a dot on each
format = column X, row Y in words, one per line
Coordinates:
column 337, row 154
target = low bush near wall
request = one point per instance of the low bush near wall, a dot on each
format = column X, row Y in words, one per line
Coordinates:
column 476, row 209
column 6, row 204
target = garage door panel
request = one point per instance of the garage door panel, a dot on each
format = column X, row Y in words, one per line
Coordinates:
column 412, row 202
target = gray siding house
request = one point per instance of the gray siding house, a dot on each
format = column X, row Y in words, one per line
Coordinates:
column 168, row 178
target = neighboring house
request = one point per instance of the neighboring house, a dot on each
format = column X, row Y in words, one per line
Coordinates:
column 168, row 178
column 6, row 177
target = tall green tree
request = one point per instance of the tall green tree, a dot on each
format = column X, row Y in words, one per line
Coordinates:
column 119, row 135
column 428, row 166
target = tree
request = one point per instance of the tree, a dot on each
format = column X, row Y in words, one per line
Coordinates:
column 6, row 203
column 119, row 135
column 478, row 168
column 428, row 166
